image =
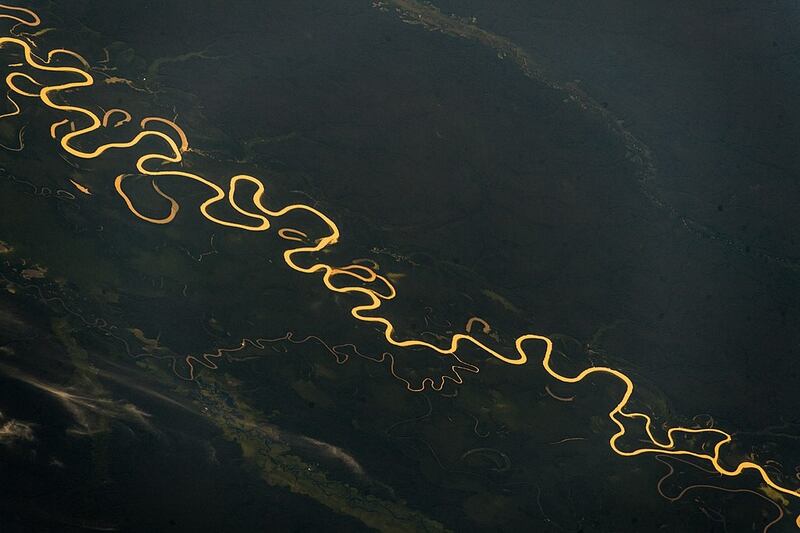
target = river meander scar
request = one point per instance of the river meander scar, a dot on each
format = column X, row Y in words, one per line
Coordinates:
column 161, row 164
